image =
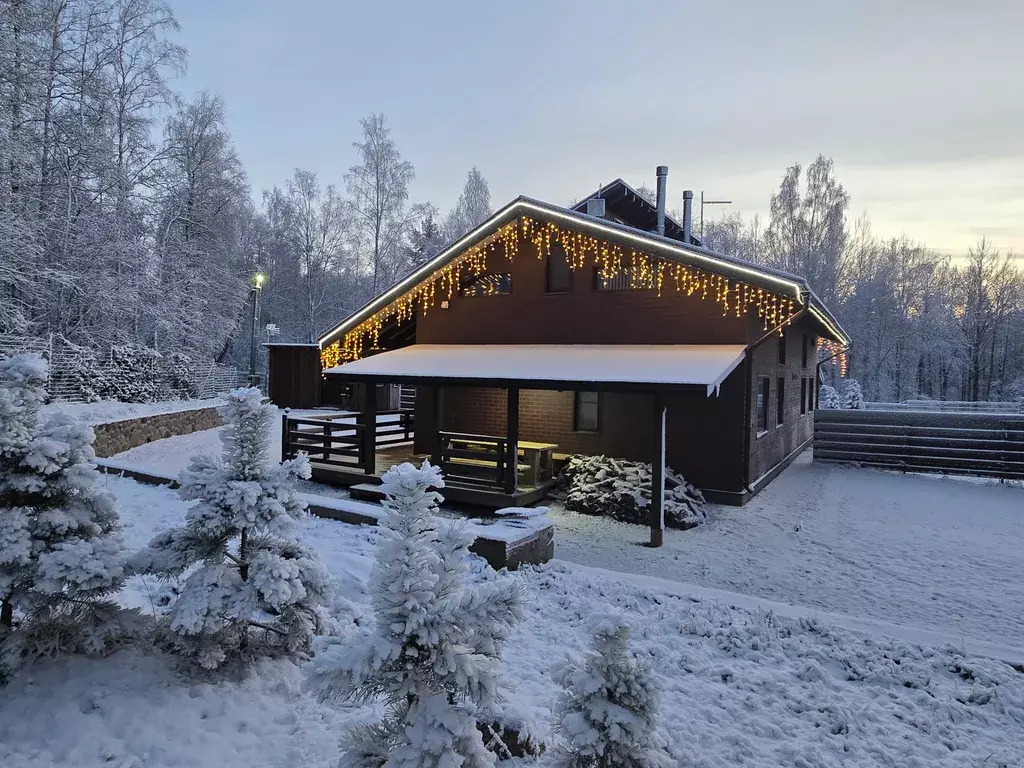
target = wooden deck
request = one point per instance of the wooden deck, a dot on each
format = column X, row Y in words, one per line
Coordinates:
column 363, row 486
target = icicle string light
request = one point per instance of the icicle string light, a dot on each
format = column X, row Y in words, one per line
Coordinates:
column 836, row 353
column 646, row 272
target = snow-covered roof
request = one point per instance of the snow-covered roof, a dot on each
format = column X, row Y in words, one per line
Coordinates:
column 775, row 280
column 666, row 364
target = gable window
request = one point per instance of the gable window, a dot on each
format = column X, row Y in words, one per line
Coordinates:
column 586, row 412
column 803, row 396
column 623, row 280
column 763, row 387
column 487, row 285
column 559, row 276
column 782, row 348
column 780, row 402
column 805, row 348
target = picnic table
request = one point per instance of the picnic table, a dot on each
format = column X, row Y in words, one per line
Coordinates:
column 537, row 457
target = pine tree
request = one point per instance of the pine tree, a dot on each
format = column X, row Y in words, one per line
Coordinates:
column 61, row 552
column 828, row 398
column 434, row 652
column 853, row 397
column 256, row 591
column 609, row 707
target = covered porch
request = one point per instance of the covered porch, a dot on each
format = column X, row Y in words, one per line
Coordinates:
column 507, row 458
column 345, row 450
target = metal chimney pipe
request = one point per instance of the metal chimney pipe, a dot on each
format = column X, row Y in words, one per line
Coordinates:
column 687, row 216
column 662, row 174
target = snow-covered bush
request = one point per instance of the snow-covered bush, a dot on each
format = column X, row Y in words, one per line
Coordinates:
column 828, row 398
column 620, row 489
column 61, row 552
column 79, row 375
column 609, row 707
column 133, row 374
column 256, row 590
column 853, row 397
column 176, row 375
column 433, row 654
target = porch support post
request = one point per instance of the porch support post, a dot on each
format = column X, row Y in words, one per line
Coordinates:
column 369, row 393
column 658, row 474
column 285, row 439
column 512, row 428
column 437, row 397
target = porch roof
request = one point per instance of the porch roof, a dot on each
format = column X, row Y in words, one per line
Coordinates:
column 553, row 366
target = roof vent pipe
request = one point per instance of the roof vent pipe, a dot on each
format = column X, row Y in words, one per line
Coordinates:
column 662, row 174
column 687, row 216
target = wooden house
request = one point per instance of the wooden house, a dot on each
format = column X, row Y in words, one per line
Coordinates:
column 546, row 331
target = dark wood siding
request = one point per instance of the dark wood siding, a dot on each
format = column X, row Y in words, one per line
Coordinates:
column 531, row 315
column 777, row 442
column 294, row 380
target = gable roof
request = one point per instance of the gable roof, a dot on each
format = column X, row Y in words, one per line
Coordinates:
column 634, row 209
column 775, row 280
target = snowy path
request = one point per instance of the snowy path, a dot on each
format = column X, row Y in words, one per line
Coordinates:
column 939, row 554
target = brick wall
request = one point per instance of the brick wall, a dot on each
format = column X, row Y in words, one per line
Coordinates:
column 777, row 442
column 546, row 416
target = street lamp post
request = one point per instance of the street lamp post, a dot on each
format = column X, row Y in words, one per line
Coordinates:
column 257, row 287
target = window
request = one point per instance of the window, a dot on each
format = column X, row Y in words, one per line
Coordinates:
column 780, row 402
column 803, row 396
column 623, row 281
column 487, row 285
column 810, row 394
column 804, row 355
column 782, row 349
column 559, row 276
column 586, row 412
column 762, row 404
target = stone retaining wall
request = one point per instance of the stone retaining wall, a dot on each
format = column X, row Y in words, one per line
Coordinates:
column 117, row 436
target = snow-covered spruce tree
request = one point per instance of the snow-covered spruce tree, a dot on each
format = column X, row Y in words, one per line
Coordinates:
column 256, row 591
column 609, row 705
column 433, row 655
column 828, row 398
column 853, row 397
column 61, row 552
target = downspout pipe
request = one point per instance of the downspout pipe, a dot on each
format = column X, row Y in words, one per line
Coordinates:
column 817, row 372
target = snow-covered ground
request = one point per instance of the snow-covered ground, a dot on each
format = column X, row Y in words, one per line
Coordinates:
column 935, row 553
column 111, row 410
column 940, row 554
column 742, row 687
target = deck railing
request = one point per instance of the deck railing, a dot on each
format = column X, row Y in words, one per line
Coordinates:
column 341, row 439
column 477, row 460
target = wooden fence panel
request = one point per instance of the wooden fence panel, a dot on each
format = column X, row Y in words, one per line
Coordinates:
column 987, row 445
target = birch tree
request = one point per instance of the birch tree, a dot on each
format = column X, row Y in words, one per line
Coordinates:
column 379, row 191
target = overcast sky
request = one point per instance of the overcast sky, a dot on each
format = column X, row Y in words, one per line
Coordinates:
column 919, row 102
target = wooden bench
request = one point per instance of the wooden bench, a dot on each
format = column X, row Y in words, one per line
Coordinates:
column 537, row 463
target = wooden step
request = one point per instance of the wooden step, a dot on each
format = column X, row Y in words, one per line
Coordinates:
column 366, row 492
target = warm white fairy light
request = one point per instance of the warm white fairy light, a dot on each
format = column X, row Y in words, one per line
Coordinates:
column 647, row 272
